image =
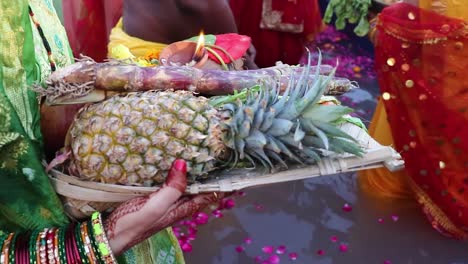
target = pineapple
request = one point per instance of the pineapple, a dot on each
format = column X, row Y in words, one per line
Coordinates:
column 133, row 139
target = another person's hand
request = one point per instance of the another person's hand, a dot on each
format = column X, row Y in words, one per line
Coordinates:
column 140, row 218
column 249, row 58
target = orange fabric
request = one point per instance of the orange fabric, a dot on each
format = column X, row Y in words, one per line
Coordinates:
column 421, row 60
column 382, row 182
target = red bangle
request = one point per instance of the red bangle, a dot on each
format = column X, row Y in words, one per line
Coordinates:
column 18, row 249
column 67, row 246
column 70, row 242
column 22, row 249
column 75, row 245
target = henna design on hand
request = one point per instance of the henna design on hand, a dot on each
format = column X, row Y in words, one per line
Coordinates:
column 185, row 207
column 126, row 208
column 140, row 218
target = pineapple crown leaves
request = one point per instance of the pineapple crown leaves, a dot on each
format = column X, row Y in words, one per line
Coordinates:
column 267, row 125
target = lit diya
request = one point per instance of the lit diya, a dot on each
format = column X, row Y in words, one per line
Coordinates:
column 185, row 53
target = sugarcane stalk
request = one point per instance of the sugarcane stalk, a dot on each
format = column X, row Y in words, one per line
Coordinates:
column 88, row 81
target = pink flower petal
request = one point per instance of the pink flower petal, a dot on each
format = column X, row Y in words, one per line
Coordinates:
column 201, row 218
column 347, row 208
column 192, row 237
column 241, row 193
column 192, row 230
column 259, row 207
column 274, row 259
column 229, row 203
column 248, row 240
column 395, row 218
column 187, row 247
column 320, row 252
column 380, row 220
column 218, row 213
column 292, row 256
column 343, row 247
column 239, row 249
column 387, row 262
column 258, row 259
column 281, row 250
column 334, row 239
column 268, row 249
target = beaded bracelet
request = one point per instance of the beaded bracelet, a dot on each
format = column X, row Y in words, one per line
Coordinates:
column 50, row 248
column 43, row 246
column 101, row 239
column 56, row 248
column 88, row 243
column 94, row 243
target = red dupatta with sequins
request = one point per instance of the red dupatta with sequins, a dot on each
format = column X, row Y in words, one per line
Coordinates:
column 422, row 62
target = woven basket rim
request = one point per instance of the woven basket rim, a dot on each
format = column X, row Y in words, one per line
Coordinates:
column 232, row 180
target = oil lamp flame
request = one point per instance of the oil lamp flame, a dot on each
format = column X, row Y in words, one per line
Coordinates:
column 200, row 48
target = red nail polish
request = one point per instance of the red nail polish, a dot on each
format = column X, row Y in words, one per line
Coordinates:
column 180, row 165
column 177, row 177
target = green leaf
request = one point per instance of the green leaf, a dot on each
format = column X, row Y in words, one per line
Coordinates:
column 276, row 157
column 311, row 153
column 209, row 39
column 363, row 27
column 313, row 141
column 332, row 130
column 308, row 125
column 326, row 113
column 347, row 146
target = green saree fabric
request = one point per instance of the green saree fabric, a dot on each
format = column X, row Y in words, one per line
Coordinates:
column 27, row 199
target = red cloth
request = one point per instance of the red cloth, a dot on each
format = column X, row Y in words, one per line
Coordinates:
column 273, row 45
column 88, row 24
column 421, row 59
column 236, row 45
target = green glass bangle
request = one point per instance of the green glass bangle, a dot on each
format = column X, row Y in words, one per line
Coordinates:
column 61, row 243
column 33, row 247
column 80, row 244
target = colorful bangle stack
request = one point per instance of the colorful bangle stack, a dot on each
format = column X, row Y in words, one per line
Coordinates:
column 77, row 243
